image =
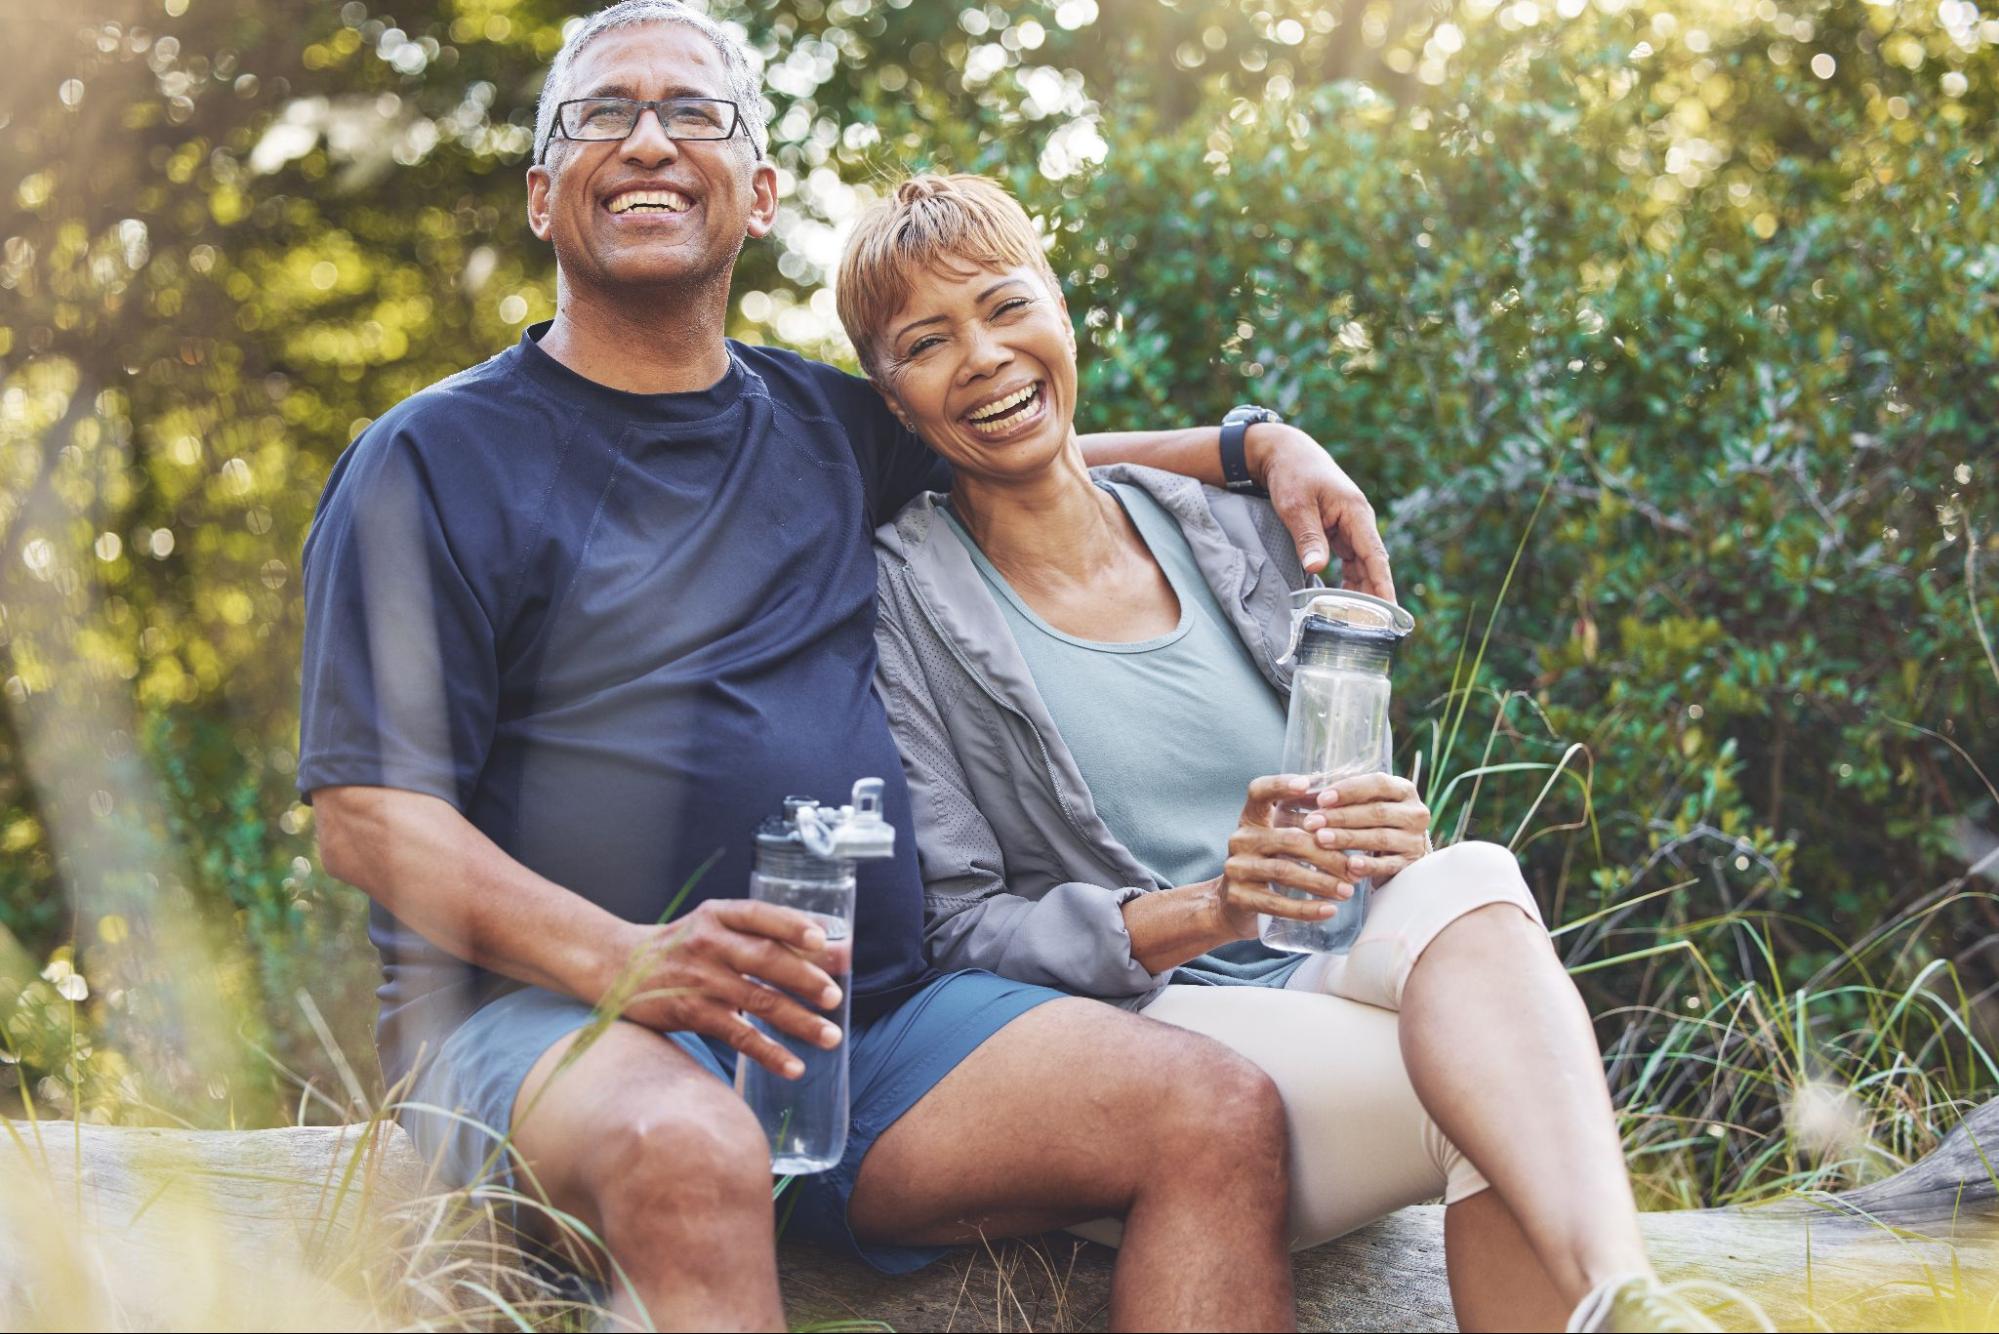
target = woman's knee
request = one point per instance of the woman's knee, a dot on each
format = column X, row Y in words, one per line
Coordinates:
column 1473, row 869
column 1454, row 895
column 1458, row 881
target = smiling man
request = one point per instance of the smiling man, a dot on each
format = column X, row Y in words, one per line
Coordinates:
column 583, row 615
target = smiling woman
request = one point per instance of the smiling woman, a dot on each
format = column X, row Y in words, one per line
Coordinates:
column 958, row 318
column 1123, row 629
column 930, row 218
column 986, row 351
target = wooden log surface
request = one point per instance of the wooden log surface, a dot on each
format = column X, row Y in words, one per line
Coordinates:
column 161, row 1220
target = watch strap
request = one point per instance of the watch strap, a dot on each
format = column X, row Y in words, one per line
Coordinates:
column 1235, row 463
column 1235, row 460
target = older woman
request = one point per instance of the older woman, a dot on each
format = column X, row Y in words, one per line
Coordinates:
column 1083, row 673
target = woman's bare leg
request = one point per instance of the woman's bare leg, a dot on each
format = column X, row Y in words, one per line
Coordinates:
column 1497, row 1281
column 1500, row 1049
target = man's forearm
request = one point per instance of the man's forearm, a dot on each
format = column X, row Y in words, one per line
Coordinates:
column 1191, row 451
column 431, row 867
column 1311, row 493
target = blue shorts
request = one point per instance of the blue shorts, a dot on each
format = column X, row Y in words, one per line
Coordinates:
column 460, row 1105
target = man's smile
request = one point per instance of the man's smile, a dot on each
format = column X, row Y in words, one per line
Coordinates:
column 640, row 199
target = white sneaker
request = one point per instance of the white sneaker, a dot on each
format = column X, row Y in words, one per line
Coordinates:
column 1638, row 1304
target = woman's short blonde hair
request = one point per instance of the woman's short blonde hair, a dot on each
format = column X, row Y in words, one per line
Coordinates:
column 927, row 220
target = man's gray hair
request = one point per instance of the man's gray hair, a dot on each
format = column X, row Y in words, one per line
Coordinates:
column 745, row 86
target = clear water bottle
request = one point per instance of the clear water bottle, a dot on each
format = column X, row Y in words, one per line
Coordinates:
column 805, row 860
column 1337, row 727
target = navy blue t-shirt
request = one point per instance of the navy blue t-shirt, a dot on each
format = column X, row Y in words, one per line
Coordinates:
column 615, row 631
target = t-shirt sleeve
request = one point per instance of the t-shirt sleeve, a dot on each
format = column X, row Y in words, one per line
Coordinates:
column 897, row 465
column 908, row 469
column 400, row 676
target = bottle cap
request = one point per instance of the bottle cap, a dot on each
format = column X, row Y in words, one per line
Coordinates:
column 1346, row 616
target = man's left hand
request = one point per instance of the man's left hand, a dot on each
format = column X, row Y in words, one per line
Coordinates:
column 1321, row 506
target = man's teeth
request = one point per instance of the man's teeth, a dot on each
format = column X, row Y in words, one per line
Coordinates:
column 671, row 201
column 996, row 416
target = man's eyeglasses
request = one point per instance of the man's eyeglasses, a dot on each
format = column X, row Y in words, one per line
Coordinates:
column 590, row 119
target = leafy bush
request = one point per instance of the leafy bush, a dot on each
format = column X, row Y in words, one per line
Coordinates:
column 1747, row 419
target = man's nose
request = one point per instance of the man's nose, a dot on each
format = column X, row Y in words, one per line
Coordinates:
column 649, row 144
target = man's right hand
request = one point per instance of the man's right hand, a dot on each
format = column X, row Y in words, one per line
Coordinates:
column 702, row 972
column 418, row 857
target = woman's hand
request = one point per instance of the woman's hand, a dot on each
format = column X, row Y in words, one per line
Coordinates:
column 1378, row 820
column 1261, row 851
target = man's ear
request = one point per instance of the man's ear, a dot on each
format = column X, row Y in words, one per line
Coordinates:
column 1068, row 325
column 541, row 181
column 763, row 199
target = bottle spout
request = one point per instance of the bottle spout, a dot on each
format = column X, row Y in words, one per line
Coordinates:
column 854, row 832
column 862, row 832
column 867, row 800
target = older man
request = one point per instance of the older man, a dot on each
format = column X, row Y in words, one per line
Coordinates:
column 581, row 616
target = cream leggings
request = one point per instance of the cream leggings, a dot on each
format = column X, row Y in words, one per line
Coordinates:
column 1361, row 1144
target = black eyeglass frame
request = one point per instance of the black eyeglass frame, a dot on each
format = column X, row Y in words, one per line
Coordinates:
column 656, row 105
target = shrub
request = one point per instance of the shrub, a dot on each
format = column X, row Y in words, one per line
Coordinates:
column 1746, row 418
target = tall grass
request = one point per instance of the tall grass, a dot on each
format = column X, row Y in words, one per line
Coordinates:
column 1738, row 1087
column 375, row 1249
column 333, row 1235
column 1736, row 1083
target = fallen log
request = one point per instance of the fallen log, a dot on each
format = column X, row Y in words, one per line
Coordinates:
column 169, row 1228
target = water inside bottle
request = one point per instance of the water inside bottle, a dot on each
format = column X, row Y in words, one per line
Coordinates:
column 1332, row 935
column 806, row 1117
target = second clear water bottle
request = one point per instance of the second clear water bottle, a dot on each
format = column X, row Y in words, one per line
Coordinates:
column 805, row 860
column 1337, row 727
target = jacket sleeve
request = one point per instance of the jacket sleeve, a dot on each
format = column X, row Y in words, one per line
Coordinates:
column 1266, row 530
column 1071, row 937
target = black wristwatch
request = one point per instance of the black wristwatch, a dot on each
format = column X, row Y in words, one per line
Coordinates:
column 1235, row 467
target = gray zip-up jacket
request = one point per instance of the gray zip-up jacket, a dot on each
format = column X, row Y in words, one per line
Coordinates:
column 1020, row 875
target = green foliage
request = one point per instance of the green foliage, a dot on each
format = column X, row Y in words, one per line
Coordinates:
column 1757, row 396
column 1715, row 286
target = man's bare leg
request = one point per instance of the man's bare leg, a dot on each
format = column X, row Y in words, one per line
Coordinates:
column 1077, row 1110
column 668, row 1167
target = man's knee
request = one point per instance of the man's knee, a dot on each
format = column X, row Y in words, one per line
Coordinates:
column 692, row 1160
column 1215, row 1105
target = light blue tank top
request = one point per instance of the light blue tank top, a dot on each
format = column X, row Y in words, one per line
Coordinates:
column 1167, row 732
